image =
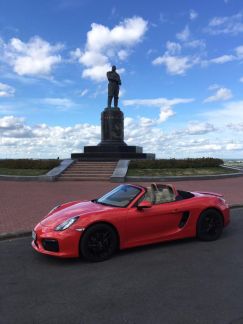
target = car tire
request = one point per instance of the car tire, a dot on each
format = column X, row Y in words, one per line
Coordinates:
column 98, row 243
column 209, row 225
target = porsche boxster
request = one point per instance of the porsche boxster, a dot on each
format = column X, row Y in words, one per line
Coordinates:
column 128, row 216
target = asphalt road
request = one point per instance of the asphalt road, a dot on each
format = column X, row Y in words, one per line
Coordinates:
column 182, row 282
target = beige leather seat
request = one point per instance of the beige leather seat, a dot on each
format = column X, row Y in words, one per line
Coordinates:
column 164, row 195
column 159, row 195
column 150, row 196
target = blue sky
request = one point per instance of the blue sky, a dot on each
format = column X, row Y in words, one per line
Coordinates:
column 180, row 64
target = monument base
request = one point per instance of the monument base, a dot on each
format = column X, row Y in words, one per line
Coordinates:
column 112, row 152
column 110, row 156
column 112, row 145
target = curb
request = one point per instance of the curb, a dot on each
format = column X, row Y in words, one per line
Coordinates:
column 13, row 235
column 234, row 206
column 181, row 178
column 19, row 234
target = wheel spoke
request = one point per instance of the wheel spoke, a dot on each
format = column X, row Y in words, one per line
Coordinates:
column 100, row 243
column 211, row 225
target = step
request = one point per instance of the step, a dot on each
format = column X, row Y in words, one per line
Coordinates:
column 94, row 166
column 92, row 163
column 91, row 170
column 88, row 171
column 98, row 175
column 83, row 179
column 98, row 164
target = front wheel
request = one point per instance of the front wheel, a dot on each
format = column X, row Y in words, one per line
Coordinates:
column 210, row 225
column 98, row 243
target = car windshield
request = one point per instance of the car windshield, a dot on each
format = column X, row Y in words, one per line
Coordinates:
column 121, row 196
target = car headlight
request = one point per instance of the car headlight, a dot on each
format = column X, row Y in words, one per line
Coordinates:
column 66, row 224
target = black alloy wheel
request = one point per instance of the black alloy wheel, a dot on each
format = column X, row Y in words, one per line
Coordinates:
column 210, row 225
column 98, row 243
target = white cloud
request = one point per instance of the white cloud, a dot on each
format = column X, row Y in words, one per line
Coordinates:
column 36, row 57
column 196, row 43
column 214, row 86
column 236, row 126
column 96, row 73
column 237, row 56
column 241, row 79
column 231, row 112
column 146, row 122
column 123, row 54
column 164, row 104
column 6, row 90
column 58, row 102
column 193, row 14
column 223, row 59
column 173, row 47
column 175, row 65
column 207, row 148
column 184, row 35
column 165, row 113
column 197, row 128
column 104, row 45
column 221, row 94
column 239, row 52
column 10, row 122
column 157, row 102
column 84, row 92
column 18, row 139
column 234, row 147
column 218, row 21
column 232, row 25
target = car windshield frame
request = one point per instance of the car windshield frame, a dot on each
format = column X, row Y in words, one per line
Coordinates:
column 104, row 200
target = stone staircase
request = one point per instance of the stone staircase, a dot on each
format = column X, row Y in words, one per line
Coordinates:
column 88, row 171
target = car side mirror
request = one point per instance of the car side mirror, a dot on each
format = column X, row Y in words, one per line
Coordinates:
column 145, row 204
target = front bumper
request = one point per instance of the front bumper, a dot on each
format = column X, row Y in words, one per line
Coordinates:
column 64, row 244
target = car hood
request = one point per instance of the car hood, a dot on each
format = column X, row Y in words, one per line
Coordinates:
column 82, row 208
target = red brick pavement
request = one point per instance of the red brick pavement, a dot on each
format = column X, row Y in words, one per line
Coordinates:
column 23, row 204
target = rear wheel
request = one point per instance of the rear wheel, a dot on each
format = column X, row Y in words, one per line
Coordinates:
column 98, row 243
column 210, row 225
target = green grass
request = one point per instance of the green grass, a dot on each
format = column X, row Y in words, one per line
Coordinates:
column 47, row 164
column 176, row 163
column 22, row 172
column 234, row 164
column 179, row 171
column 27, row 167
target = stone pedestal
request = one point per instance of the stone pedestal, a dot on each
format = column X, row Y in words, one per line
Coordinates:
column 112, row 127
column 112, row 145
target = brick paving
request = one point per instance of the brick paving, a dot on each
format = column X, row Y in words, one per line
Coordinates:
column 23, row 204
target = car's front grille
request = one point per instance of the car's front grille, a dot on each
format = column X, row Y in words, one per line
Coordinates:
column 50, row 245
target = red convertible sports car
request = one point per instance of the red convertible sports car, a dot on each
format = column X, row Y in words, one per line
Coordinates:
column 128, row 216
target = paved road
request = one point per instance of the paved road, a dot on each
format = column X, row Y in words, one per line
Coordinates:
column 175, row 283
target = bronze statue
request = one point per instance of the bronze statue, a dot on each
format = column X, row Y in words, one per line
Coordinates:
column 113, row 86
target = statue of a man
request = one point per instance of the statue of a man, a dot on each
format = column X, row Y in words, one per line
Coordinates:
column 113, row 86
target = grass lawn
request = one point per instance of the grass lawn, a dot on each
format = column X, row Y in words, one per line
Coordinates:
column 234, row 164
column 23, row 172
column 179, row 171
